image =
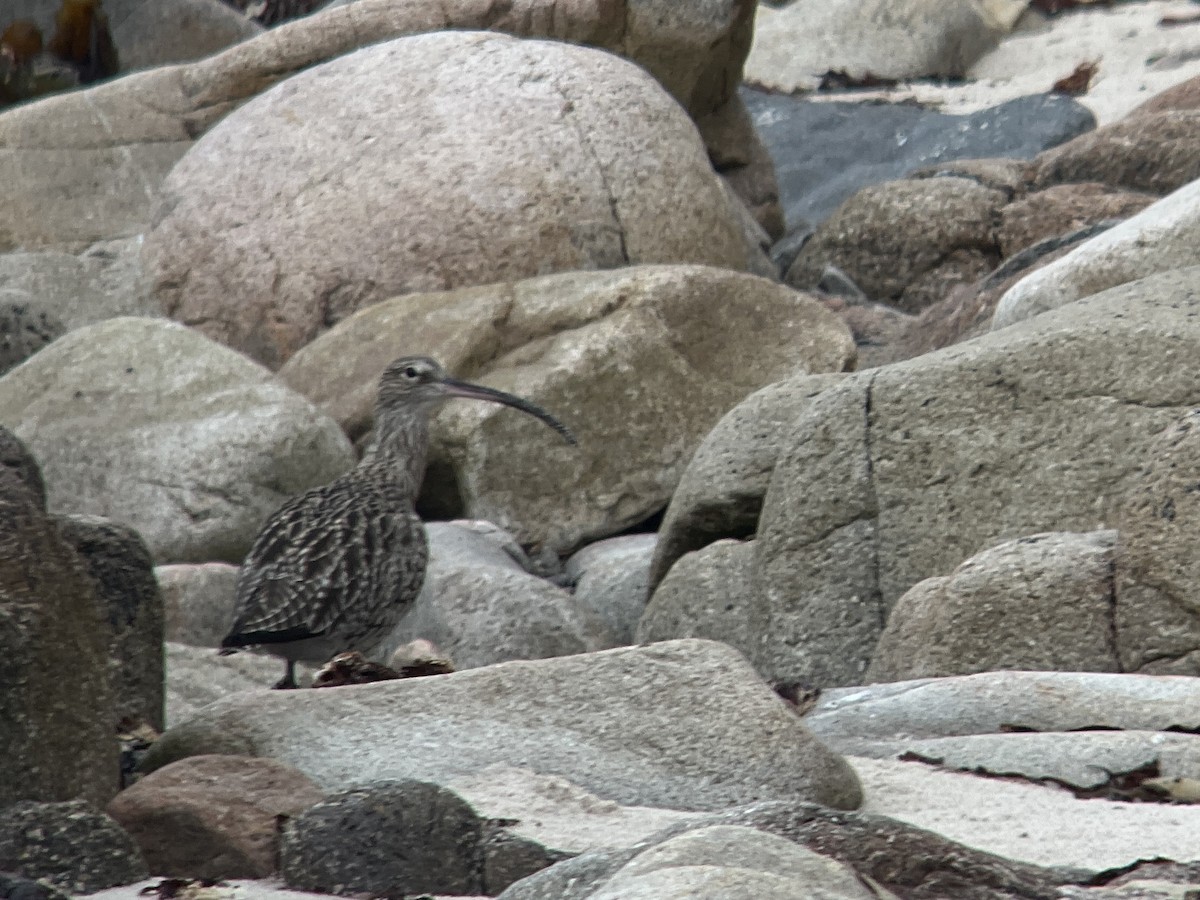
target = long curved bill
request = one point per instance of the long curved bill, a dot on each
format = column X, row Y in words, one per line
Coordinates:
column 457, row 388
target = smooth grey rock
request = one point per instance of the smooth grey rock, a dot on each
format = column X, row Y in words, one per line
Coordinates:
column 1048, row 601
column 709, row 593
column 721, row 492
column 901, row 473
column 612, row 577
column 464, row 543
column 480, row 615
column 684, row 724
column 72, row 845
column 1079, row 759
column 480, row 606
column 59, row 737
column 149, row 423
column 589, row 162
column 101, row 282
column 119, row 563
column 890, row 855
column 198, row 676
column 735, row 862
column 1159, row 239
column 992, row 702
column 794, row 46
column 825, row 152
column 199, row 601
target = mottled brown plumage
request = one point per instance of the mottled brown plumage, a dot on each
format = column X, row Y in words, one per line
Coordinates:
column 335, row 568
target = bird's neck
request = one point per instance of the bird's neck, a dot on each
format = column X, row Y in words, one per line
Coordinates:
column 401, row 444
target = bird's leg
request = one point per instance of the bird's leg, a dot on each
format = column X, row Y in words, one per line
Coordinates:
column 288, row 681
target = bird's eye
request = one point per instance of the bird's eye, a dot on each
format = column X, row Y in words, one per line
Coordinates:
column 411, row 372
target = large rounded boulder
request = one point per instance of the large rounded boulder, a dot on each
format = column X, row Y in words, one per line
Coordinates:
column 427, row 163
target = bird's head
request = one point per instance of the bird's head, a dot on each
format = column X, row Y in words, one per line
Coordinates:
column 417, row 384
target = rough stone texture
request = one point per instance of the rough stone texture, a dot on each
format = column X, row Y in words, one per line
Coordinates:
column 876, row 327
column 213, row 816
column 120, row 565
column 899, row 474
column 826, row 151
column 1158, row 608
column 388, row 838
column 721, row 491
column 1079, row 759
column 993, row 702
column 1042, row 602
column 685, row 724
column 893, row 855
column 478, row 615
column 198, row 601
column 25, row 328
column 968, row 310
column 907, row 242
column 1156, row 153
column 16, row 458
column 1062, row 209
column 657, row 337
column 738, row 153
column 574, row 159
column 103, row 153
column 149, row 423
column 611, row 578
column 58, row 742
column 1161, row 237
column 709, row 593
column 71, row 845
column 794, row 46
column 99, row 283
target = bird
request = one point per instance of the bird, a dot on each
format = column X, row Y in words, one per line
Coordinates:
column 335, row 568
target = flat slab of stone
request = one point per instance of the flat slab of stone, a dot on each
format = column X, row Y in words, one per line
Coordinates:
column 1077, row 759
column 992, row 702
column 682, row 724
column 1035, row 824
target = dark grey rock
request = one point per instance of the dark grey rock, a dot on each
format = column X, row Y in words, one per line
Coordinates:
column 71, row 845
column 826, row 151
column 120, row 564
column 25, row 328
column 611, row 578
column 14, row 887
column 14, row 455
column 57, row 739
column 388, row 838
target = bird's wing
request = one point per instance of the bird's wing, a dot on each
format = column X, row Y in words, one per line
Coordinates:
column 318, row 555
